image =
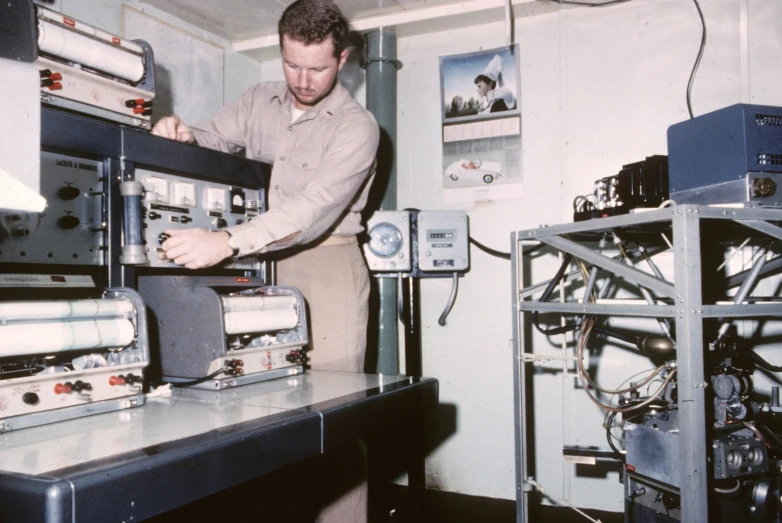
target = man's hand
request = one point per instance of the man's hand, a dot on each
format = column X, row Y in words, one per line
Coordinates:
column 173, row 128
column 196, row 248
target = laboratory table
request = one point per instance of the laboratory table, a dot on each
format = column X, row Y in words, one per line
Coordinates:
column 133, row 464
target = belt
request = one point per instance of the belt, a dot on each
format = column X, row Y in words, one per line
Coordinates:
column 337, row 240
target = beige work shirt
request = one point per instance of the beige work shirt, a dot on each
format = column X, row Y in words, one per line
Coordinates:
column 323, row 163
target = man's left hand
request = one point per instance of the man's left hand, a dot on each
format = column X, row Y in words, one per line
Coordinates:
column 196, row 248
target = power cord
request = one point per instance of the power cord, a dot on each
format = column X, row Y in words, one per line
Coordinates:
column 500, row 254
column 697, row 60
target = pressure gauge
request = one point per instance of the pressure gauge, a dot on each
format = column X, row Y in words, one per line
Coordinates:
column 385, row 240
column 388, row 249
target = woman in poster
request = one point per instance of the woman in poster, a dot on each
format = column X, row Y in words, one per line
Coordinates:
column 494, row 97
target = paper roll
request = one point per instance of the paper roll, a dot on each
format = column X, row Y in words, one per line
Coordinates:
column 59, row 310
column 257, row 303
column 27, row 339
column 260, row 321
column 83, row 50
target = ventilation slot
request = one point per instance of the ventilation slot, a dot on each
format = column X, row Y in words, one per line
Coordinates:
column 769, row 159
column 768, row 119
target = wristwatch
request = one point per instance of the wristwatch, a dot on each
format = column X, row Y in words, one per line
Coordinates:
column 232, row 244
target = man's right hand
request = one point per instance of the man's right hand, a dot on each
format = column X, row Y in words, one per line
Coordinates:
column 173, row 128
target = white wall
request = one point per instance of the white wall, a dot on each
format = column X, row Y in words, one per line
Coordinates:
column 599, row 89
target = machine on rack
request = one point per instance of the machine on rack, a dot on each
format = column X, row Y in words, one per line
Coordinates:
column 82, row 68
column 70, row 351
column 732, row 155
column 746, row 444
column 638, row 185
column 221, row 332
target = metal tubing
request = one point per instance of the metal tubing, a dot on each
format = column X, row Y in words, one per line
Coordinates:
column 520, row 347
column 593, row 275
column 664, row 327
column 744, row 290
column 763, row 226
column 629, row 273
column 600, row 309
column 770, row 267
column 381, row 66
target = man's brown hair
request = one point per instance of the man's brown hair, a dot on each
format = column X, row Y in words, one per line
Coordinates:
column 312, row 21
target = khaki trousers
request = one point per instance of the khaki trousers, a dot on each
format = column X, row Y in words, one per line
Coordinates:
column 335, row 283
column 334, row 280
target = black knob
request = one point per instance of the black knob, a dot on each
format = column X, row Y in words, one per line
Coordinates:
column 68, row 192
column 185, row 219
column 220, row 223
column 163, row 237
column 154, row 215
column 31, row 398
column 68, row 222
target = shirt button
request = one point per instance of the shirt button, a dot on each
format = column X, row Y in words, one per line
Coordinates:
column 290, row 128
column 276, row 187
column 282, row 158
column 305, row 165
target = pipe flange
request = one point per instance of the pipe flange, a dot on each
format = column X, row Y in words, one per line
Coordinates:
column 365, row 62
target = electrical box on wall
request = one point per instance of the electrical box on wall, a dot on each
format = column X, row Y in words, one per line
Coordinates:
column 443, row 241
column 388, row 248
column 418, row 242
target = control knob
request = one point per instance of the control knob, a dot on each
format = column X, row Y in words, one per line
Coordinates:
column 68, row 192
column 31, row 398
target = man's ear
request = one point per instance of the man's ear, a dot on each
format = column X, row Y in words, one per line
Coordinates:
column 343, row 57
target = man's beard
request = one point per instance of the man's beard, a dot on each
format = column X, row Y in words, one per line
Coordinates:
column 317, row 100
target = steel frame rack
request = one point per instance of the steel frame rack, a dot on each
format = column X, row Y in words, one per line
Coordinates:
column 681, row 299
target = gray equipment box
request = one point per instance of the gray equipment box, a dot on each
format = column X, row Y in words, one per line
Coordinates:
column 222, row 331
column 733, row 155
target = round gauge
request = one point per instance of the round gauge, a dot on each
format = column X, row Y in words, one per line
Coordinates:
column 385, row 240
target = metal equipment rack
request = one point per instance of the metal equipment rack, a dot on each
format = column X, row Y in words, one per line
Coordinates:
column 692, row 227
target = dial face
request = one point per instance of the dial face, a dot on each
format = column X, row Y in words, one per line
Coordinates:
column 215, row 199
column 385, row 240
column 157, row 189
column 184, row 194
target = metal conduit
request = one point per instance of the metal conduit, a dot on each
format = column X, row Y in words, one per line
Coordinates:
column 381, row 66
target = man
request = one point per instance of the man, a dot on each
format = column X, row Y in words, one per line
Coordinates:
column 493, row 99
column 322, row 144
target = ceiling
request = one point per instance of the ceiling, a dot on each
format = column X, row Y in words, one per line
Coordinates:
column 238, row 20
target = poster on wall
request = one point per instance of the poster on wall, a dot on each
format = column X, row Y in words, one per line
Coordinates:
column 481, row 120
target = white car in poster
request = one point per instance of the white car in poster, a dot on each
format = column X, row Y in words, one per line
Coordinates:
column 474, row 170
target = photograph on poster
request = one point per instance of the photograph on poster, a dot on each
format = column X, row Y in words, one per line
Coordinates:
column 479, row 85
column 481, row 120
column 482, row 153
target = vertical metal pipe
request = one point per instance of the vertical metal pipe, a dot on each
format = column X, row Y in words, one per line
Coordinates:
column 381, row 66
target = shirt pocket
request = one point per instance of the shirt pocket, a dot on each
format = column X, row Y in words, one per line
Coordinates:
column 305, row 167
